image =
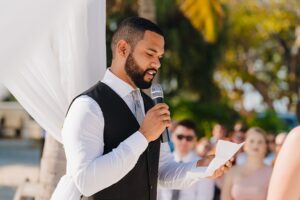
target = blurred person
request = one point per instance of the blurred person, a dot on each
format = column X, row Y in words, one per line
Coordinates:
column 250, row 180
column 203, row 147
column 270, row 155
column 184, row 139
column 240, row 126
column 271, row 149
column 279, row 140
column 218, row 133
column 237, row 137
column 239, row 132
column 285, row 180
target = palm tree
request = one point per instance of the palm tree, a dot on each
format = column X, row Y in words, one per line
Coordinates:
column 53, row 166
column 205, row 15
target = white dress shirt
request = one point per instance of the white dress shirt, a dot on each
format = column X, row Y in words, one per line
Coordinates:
column 90, row 170
column 203, row 189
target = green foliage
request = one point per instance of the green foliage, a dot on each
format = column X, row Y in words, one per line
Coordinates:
column 268, row 120
column 205, row 15
column 116, row 12
column 204, row 114
column 260, row 49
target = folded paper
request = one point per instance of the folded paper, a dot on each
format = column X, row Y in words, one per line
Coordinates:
column 225, row 150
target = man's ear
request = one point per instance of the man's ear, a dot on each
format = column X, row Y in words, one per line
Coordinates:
column 123, row 48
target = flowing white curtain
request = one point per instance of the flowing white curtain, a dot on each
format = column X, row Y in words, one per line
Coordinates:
column 51, row 50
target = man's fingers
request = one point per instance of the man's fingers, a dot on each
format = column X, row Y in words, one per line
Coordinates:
column 164, row 112
column 164, row 117
column 160, row 106
column 228, row 164
column 168, row 123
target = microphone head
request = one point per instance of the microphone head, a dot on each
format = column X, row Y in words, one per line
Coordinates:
column 156, row 91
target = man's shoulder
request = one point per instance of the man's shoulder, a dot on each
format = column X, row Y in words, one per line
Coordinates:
column 86, row 101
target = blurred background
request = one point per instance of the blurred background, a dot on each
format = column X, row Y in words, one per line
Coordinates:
column 226, row 62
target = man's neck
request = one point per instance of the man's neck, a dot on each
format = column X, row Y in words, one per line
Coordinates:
column 181, row 155
column 119, row 72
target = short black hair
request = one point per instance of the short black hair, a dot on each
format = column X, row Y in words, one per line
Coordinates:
column 188, row 123
column 132, row 30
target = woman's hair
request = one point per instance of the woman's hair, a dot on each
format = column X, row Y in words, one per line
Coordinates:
column 257, row 130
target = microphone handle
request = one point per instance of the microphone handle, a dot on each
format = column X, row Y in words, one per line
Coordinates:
column 158, row 100
column 165, row 136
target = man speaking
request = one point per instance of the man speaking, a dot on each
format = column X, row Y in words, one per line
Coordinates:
column 111, row 132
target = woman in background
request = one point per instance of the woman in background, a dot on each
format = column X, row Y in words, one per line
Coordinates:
column 250, row 180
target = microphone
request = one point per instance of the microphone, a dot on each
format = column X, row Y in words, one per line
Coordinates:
column 157, row 96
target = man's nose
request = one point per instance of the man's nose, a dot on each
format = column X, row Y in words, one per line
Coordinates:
column 156, row 64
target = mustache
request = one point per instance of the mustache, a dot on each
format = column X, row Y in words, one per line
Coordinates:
column 150, row 69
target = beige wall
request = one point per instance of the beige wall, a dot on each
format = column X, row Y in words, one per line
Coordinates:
column 17, row 118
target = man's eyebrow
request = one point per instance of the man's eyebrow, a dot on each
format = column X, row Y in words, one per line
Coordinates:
column 151, row 49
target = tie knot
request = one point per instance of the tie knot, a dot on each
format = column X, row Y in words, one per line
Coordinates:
column 135, row 95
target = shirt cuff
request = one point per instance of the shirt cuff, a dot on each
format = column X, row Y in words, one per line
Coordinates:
column 137, row 143
column 195, row 165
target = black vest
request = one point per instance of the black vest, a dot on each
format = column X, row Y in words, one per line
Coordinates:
column 141, row 182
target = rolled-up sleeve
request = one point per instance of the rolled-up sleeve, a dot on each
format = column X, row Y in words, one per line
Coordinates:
column 173, row 175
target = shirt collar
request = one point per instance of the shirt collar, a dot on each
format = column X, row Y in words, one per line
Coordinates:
column 118, row 85
column 187, row 158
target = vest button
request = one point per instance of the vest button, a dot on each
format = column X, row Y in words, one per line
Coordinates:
column 151, row 187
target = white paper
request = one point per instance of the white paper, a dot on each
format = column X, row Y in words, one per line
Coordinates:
column 225, row 150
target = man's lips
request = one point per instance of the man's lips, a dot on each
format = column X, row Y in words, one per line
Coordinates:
column 151, row 72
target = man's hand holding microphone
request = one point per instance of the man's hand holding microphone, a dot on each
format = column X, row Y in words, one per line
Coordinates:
column 158, row 119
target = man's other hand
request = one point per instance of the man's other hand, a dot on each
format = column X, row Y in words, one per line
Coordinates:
column 218, row 172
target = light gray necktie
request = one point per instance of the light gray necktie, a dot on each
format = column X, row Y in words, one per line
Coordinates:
column 176, row 193
column 138, row 111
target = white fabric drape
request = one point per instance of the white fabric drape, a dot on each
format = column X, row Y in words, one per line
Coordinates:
column 51, row 50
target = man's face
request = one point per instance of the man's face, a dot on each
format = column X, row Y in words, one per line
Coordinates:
column 218, row 131
column 184, row 139
column 142, row 64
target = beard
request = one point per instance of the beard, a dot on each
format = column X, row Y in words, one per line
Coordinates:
column 136, row 74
